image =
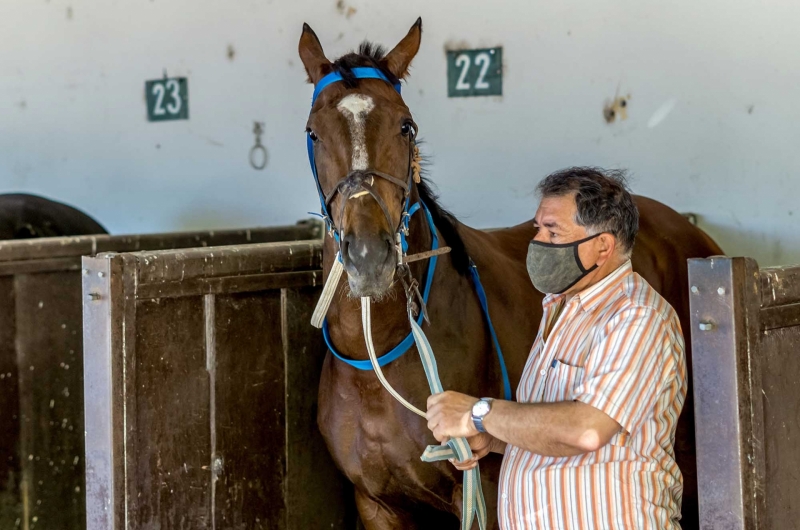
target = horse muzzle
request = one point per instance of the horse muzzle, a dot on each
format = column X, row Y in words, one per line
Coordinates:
column 370, row 262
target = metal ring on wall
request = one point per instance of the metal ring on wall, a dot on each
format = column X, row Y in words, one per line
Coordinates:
column 256, row 148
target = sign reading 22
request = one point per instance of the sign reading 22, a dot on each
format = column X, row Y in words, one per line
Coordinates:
column 475, row 72
column 167, row 99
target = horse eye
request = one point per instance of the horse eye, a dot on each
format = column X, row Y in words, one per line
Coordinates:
column 312, row 135
column 406, row 129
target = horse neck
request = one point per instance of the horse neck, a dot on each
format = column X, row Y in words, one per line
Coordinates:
column 389, row 316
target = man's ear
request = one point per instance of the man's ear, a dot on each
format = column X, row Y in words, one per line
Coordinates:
column 399, row 59
column 312, row 55
column 607, row 245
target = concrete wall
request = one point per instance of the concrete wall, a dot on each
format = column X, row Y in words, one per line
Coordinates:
column 74, row 126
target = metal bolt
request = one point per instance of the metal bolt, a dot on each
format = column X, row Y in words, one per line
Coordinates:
column 86, row 272
column 216, row 466
column 706, row 326
column 93, row 297
column 721, row 291
column 695, row 290
column 101, row 274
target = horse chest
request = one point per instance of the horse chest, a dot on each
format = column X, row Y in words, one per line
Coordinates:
column 374, row 441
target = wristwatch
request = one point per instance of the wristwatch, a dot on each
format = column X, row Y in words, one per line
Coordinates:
column 479, row 411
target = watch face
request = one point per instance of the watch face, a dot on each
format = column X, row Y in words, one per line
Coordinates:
column 481, row 408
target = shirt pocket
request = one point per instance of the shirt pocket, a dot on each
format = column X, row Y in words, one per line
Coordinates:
column 561, row 381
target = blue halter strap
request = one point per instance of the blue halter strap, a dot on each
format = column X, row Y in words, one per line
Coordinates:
column 408, row 342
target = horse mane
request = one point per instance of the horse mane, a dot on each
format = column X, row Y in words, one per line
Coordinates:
column 368, row 54
column 447, row 224
column 373, row 55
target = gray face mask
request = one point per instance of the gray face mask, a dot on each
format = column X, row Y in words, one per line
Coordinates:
column 555, row 268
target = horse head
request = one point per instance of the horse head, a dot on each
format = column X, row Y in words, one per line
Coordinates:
column 361, row 139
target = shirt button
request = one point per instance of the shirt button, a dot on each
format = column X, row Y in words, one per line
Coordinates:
column 505, row 497
column 543, row 372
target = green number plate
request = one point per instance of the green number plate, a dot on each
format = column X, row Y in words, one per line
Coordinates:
column 475, row 72
column 167, row 99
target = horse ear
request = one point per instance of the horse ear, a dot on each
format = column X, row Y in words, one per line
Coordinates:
column 399, row 59
column 312, row 55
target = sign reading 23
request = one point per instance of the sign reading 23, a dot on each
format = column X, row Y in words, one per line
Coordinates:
column 475, row 72
column 167, row 99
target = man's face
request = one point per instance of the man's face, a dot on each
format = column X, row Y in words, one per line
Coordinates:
column 555, row 220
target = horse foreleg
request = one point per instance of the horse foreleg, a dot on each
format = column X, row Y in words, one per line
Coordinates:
column 376, row 515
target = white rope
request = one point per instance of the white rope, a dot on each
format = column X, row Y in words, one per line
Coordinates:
column 473, row 503
column 327, row 293
column 366, row 321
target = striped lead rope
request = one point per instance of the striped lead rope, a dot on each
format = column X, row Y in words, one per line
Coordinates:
column 327, row 293
column 473, row 502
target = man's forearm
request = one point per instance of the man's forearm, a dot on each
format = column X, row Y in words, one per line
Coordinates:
column 548, row 429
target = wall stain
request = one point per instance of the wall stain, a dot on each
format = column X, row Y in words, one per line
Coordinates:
column 616, row 109
column 231, row 52
column 345, row 10
column 69, row 12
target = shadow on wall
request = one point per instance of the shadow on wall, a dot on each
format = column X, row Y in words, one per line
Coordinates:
column 767, row 249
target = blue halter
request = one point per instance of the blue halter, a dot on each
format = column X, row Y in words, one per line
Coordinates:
column 335, row 77
column 408, row 342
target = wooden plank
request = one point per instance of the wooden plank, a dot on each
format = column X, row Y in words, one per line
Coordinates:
column 11, row 509
column 48, row 343
column 249, row 397
column 780, row 317
column 166, row 266
column 781, row 390
column 59, row 247
column 780, row 286
column 727, row 389
column 170, row 463
column 9, row 268
column 229, row 284
column 317, row 494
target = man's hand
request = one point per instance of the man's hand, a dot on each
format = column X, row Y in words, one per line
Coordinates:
column 450, row 415
column 481, row 445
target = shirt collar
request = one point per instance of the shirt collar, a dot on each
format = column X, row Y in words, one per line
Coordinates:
column 600, row 292
column 592, row 296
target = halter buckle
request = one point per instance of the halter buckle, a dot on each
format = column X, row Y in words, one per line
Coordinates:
column 398, row 245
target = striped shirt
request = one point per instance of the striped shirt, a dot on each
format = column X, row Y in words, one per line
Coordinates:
column 618, row 347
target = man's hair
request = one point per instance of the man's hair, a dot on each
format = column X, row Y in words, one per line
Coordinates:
column 602, row 198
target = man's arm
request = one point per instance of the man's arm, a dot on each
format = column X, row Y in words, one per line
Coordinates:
column 566, row 428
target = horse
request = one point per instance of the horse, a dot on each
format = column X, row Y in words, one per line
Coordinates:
column 362, row 140
column 24, row 216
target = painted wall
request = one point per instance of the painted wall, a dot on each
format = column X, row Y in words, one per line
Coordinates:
column 74, row 126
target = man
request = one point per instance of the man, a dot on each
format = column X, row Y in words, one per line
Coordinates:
column 588, row 443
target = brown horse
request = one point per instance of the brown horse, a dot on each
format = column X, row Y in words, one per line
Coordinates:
column 364, row 124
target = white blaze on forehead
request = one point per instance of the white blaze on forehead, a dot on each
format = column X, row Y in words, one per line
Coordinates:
column 355, row 108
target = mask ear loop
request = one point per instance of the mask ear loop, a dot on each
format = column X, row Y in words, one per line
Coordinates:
column 584, row 270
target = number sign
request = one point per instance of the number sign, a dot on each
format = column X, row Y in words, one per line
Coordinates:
column 167, row 99
column 475, row 72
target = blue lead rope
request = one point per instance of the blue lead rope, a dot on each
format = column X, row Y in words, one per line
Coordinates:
column 485, row 306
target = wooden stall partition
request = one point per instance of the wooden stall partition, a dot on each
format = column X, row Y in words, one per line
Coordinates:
column 42, row 465
column 746, row 348
column 201, row 377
